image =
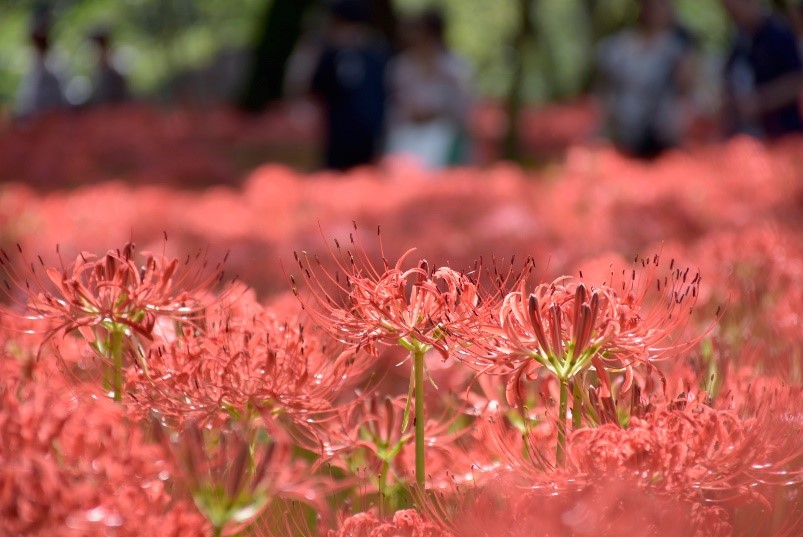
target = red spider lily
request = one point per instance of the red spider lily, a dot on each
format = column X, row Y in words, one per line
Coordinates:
column 693, row 451
column 234, row 471
column 79, row 466
column 568, row 327
column 113, row 303
column 523, row 437
column 406, row 523
column 248, row 361
column 20, row 344
column 112, row 290
column 674, row 450
column 518, row 441
column 756, row 270
column 726, row 461
column 737, row 459
column 415, row 307
column 776, row 422
column 509, row 507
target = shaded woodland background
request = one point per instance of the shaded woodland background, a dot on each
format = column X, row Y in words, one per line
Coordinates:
column 204, row 54
column 167, row 46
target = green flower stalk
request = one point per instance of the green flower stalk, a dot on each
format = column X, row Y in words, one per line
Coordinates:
column 416, row 308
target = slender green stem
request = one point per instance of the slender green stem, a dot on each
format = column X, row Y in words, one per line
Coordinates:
column 116, row 355
column 577, row 404
column 383, row 485
column 560, row 455
column 217, row 531
column 418, row 364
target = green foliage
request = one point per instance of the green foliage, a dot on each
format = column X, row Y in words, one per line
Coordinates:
column 14, row 57
column 154, row 38
column 561, row 54
column 157, row 38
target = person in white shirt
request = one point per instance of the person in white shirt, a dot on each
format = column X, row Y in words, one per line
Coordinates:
column 429, row 97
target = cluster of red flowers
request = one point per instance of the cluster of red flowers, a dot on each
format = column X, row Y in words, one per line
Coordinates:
column 420, row 381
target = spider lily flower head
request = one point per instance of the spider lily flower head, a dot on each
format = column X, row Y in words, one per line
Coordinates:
column 75, row 465
column 567, row 326
column 747, row 460
column 414, row 307
column 113, row 292
column 113, row 303
column 245, row 365
column 233, row 471
column 680, row 451
column 404, row 523
column 775, row 426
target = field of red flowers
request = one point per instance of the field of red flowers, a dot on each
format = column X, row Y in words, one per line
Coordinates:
column 142, row 144
column 600, row 348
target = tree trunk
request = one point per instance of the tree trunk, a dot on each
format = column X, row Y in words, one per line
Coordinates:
column 280, row 30
column 511, row 146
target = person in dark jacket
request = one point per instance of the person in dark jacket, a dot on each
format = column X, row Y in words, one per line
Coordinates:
column 349, row 79
column 764, row 73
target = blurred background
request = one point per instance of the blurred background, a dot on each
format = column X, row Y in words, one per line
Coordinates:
column 237, row 79
column 568, row 130
column 163, row 44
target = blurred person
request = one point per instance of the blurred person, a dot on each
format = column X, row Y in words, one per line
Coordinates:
column 349, row 79
column 429, row 96
column 763, row 74
column 644, row 81
column 109, row 86
column 40, row 89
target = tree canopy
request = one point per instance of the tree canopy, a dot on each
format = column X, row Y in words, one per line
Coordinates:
column 155, row 39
